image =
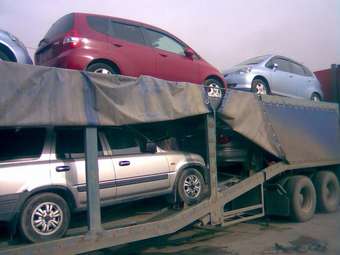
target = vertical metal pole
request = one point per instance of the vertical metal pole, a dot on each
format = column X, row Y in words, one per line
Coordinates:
column 92, row 180
column 215, row 208
column 335, row 90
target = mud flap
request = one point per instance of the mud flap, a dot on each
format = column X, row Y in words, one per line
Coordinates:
column 276, row 200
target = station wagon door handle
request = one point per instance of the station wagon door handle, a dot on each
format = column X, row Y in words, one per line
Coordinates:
column 163, row 55
column 290, row 76
column 62, row 168
column 124, row 163
column 118, row 45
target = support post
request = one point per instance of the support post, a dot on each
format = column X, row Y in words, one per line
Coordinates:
column 216, row 213
column 334, row 81
column 92, row 180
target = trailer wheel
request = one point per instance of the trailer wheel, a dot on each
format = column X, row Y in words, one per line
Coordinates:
column 327, row 191
column 302, row 196
column 44, row 217
column 191, row 186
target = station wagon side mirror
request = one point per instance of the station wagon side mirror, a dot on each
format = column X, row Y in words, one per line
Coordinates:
column 275, row 66
column 150, row 147
column 189, row 53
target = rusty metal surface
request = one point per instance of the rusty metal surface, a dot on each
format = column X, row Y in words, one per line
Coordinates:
column 107, row 238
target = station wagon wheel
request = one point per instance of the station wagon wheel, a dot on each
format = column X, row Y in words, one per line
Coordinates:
column 44, row 217
column 315, row 97
column 101, row 68
column 259, row 87
column 214, row 88
column 191, row 186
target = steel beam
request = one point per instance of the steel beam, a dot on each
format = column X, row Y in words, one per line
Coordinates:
column 92, row 180
column 215, row 209
column 335, row 83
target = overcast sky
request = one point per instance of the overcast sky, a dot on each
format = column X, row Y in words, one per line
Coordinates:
column 224, row 32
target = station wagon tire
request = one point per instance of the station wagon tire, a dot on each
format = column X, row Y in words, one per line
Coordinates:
column 260, row 87
column 40, row 209
column 315, row 97
column 327, row 191
column 191, row 186
column 214, row 88
column 101, row 68
column 3, row 56
column 302, row 195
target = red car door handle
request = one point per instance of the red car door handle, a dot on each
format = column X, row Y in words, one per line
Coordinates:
column 117, row 45
column 163, row 55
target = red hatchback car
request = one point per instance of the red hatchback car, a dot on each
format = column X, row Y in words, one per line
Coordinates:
column 117, row 46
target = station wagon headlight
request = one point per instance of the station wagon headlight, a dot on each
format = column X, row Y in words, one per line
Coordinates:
column 244, row 70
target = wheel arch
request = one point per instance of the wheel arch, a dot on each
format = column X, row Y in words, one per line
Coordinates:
column 107, row 62
column 62, row 191
column 215, row 77
column 316, row 93
column 199, row 167
column 5, row 49
column 264, row 79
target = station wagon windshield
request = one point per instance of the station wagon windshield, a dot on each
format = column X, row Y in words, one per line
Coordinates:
column 253, row 61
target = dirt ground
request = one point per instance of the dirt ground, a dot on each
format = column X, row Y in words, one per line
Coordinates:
column 321, row 235
column 266, row 236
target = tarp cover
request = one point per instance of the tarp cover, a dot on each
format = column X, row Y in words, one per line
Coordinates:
column 37, row 95
column 298, row 131
column 293, row 130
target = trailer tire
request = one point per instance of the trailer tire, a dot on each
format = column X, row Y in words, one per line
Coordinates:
column 327, row 191
column 44, row 209
column 302, row 195
column 191, row 186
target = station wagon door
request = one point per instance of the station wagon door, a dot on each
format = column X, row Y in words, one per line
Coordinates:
column 136, row 172
column 68, row 167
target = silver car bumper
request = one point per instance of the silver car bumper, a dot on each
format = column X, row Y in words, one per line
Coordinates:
column 239, row 81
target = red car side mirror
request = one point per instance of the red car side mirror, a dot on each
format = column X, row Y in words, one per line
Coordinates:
column 189, row 53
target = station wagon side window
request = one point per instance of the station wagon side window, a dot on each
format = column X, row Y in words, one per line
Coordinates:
column 161, row 41
column 99, row 24
column 70, row 143
column 21, row 143
column 297, row 69
column 127, row 32
column 122, row 142
column 307, row 72
column 283, row 65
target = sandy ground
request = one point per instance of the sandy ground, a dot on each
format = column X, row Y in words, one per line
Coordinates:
column 321, row 235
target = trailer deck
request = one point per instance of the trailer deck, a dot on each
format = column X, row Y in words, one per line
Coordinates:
column 241, row 111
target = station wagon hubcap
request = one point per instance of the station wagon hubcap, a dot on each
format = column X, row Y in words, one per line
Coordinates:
column 102, row 71
column 261, row 89
column 192, row 186
column 47, row 218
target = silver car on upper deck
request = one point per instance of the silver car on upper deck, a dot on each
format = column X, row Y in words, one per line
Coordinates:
column 273, row 74
column 12, row 49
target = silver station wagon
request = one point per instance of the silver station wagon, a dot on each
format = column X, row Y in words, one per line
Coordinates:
column 272, row 74
column 43, row 179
